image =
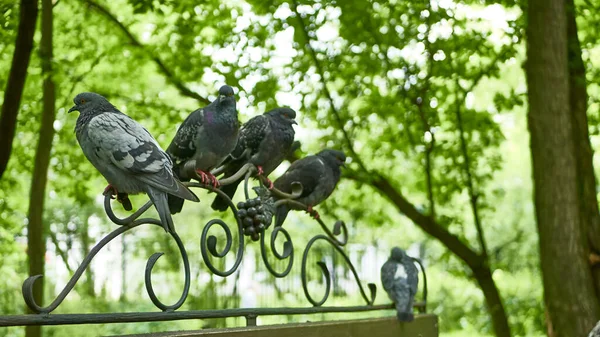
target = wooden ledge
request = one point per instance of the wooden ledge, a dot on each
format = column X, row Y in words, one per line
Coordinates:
column 423, row 326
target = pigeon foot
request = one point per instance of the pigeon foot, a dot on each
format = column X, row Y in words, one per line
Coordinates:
column 208, row 178
column 313, row 212
column 260, row 170
column 269, row 183
column 110, row 190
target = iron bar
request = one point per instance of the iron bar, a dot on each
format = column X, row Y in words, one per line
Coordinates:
column 327, row 275
column 336, row 237
column 288, row 251
column 133, row 317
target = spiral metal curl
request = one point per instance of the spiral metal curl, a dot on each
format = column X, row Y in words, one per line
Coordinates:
column 208, row 244
column 327, row 275
column 288, row 251
column 148, row 275
column 125, row 224
column 422, row 309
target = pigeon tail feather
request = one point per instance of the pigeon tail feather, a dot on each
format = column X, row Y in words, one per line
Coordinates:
column 280, row 214
column 159, row 199
column 221, row 204
column 185, row 193
column 175, row 203
column 404, row 316
column 175, row 200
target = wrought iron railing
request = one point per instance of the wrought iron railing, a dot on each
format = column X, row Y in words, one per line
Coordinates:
column 265, row 203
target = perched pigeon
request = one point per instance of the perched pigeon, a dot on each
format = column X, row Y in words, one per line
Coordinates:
column 126, row 154
column 400, row 278
column 318, row 174
column 204, row 140
column 595, row 331
column 264, row 141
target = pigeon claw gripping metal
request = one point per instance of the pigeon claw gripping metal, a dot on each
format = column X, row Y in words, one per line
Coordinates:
column 269, row 183
column 313, row 212
column 260, row 170
column 111, row 191
column 208, row 178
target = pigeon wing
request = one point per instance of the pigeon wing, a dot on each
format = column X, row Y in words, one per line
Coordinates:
column 306, row 171
column 182, row 146
column 388, row 271
column 132, row 149
column 251, row 135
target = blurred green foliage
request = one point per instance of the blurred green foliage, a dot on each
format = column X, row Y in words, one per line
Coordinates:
column 398, row 72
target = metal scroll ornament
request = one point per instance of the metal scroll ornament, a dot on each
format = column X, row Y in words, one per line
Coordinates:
column 253, row 218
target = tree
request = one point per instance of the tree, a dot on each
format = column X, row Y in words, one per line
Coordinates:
column 16, row 79
column 36, row 242
column 405, row 88
column 554, row 108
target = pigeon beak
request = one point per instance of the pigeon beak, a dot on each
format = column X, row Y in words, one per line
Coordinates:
column 73, row 108
column 293, row 121
column 222, row 98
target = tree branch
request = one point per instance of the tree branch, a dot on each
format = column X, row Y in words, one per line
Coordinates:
column 60, row 252
column 427, row 223
column 514, row 240
column 82, row 76
column 426, row 126
column 473, row 195
column 321, row 73
column 183, row 89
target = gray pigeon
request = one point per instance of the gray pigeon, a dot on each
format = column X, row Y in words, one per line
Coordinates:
column 400, row 279
column 318, row 174
column 264, row 141
column 126, row 154
column 204, row 140
column 595, row 331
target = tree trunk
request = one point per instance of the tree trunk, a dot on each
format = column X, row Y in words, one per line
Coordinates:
column 571, row 301
column 16, row 79
column 493, row 301
column 586, row 179
column 35, row 227
column 84, row 237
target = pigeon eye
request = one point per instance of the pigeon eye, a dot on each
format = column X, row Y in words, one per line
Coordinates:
column 82, row 100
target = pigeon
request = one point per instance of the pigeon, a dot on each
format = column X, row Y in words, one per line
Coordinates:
column 400, row 279
column 318, row 174
column 204, row 140
column 126, row 155
column 595, row 331
column 264, row 141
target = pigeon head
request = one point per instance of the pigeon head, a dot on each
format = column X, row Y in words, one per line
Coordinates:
column 226, row 95
column 333, row 157
column 90, row 101
column 398, row 254
column 285, row 115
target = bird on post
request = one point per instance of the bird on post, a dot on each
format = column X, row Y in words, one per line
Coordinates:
column 400, row 279
column 204, row 140
column 126, row 155
column 264, row 141
column 318, row 174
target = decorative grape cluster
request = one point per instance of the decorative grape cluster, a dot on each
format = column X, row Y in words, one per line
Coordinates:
column 253, row 217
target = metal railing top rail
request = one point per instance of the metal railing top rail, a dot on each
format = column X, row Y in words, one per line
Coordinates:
column 253, row 218
column 132, row 317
